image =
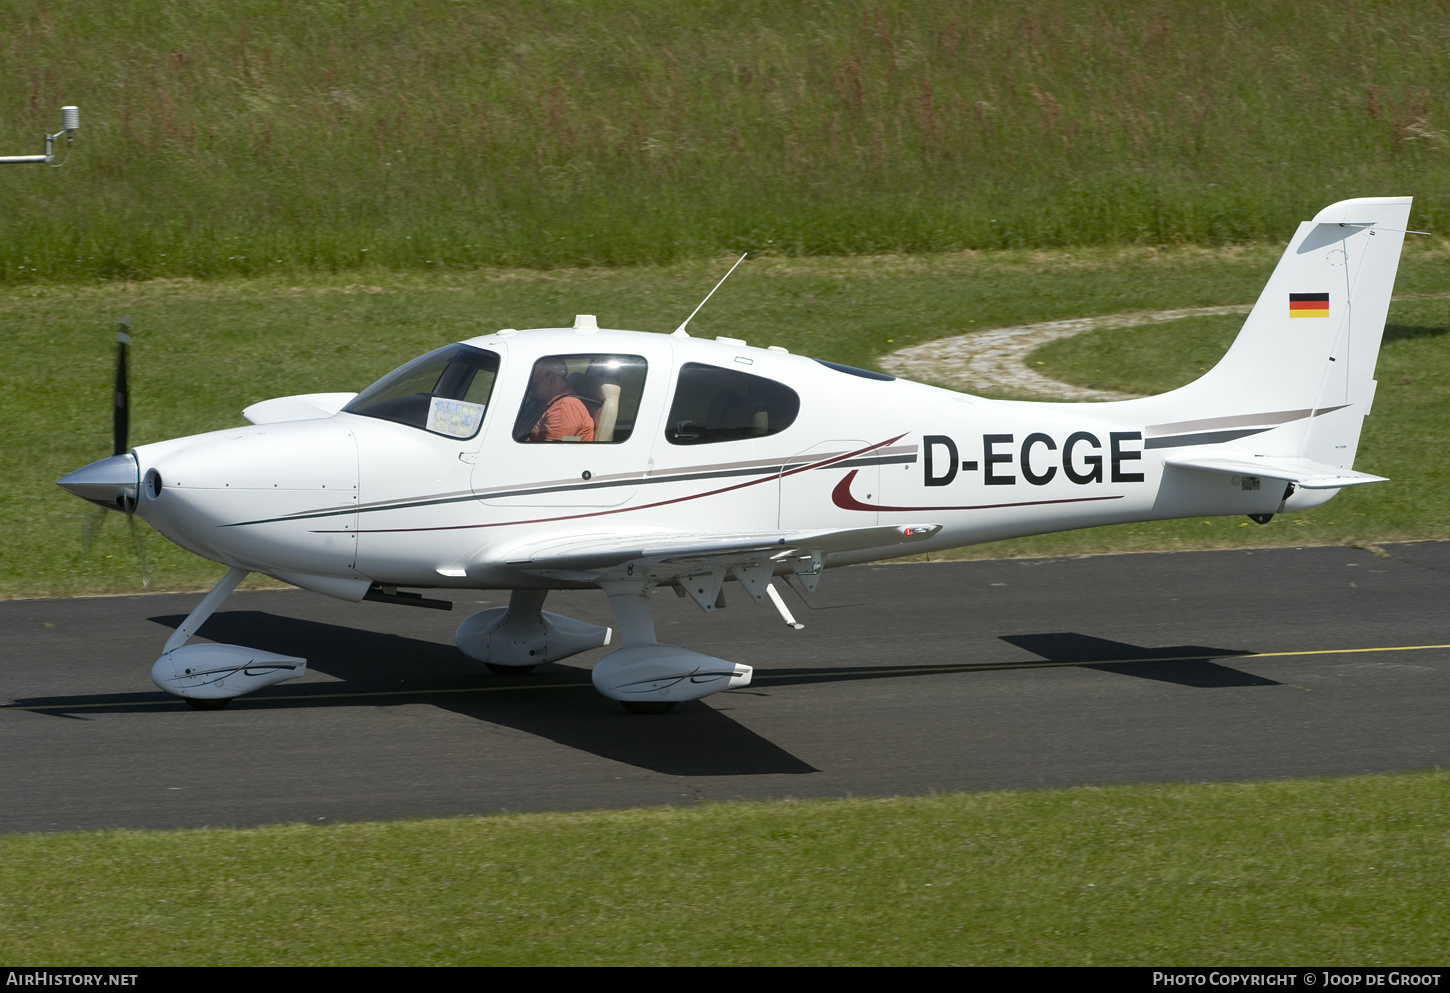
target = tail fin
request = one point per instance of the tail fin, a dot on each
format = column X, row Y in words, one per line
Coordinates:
column 1305, row 358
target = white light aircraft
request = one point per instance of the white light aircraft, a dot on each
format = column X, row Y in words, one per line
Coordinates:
column 571, row 458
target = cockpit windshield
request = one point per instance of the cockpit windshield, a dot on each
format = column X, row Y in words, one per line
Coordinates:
column 445, row 392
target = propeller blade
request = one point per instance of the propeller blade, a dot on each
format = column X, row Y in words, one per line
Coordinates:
column 121, row 411
column 89, row 524
column 112, row 483
column 139, row 541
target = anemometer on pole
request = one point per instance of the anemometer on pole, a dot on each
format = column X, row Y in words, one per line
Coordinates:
column 70, row 123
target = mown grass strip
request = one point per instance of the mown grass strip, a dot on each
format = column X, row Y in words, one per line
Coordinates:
column 262, row 136
column 1306, row 872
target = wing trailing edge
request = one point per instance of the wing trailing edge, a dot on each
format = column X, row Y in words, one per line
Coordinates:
column 670, row 555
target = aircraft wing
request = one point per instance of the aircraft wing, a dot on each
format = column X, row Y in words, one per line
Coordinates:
column 1304, row 473
column 674, row 557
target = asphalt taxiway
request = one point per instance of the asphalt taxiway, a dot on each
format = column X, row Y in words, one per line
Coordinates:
column 906, row 679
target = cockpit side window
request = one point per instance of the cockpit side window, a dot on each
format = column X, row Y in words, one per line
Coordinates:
column 713, row 404
column 445, row 392
column 582, row 398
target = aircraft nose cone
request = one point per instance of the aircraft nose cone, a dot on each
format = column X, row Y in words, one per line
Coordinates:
column 111, row 483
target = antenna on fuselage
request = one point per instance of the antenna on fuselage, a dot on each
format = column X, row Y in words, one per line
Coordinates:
column 680, row 331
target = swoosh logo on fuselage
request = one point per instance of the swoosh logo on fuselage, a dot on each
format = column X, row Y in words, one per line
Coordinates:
column 841, row 497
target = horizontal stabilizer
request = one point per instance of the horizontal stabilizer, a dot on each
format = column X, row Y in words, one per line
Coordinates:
column 1305, row 473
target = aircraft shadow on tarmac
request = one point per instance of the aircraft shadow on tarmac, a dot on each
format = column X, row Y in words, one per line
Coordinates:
column 559, row 703
column 1186, row 665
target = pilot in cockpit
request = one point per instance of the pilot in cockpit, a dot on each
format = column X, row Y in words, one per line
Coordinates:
column 552, row 411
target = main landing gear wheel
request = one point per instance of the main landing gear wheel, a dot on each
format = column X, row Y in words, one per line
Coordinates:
column 509, row 670
column 196, row 704
column 647, row 706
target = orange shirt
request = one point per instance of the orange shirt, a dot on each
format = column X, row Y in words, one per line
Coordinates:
column 566, row 417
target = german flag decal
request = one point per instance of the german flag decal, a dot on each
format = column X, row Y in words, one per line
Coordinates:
column 1308, row 304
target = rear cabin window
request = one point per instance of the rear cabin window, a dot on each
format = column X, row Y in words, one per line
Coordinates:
column 590, row 398
column 713, row 404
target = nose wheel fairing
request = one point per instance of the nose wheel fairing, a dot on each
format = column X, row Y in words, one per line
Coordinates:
column 221, row 672
column 214, row 671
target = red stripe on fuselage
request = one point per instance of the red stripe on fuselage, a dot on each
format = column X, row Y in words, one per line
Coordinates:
column 841, row 497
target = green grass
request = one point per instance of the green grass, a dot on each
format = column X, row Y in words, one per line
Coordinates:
column 206, row 349
column 1311, row 872
column 1144, row 363
column 262, row 136
column 329, row 189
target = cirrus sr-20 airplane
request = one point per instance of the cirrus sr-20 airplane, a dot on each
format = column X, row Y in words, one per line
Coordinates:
column 572, row 458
